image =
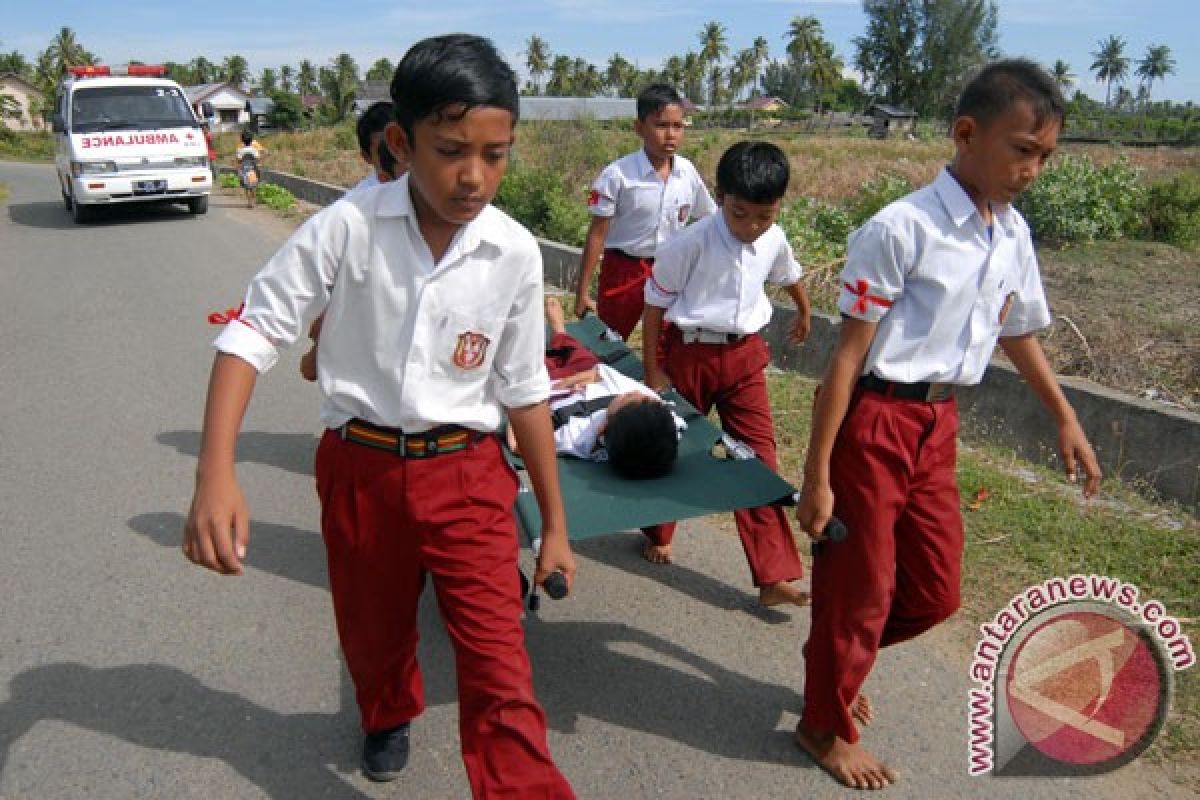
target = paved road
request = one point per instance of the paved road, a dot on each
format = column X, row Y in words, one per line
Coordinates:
column 127, row 673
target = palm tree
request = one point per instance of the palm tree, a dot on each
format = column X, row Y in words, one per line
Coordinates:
column 825, row 70
column 1156, row 66
column 286, row 73
column 693, row 76
column 203, row 70
column 619, row 75
column 760, row 58
column 672, row 71
column 65, row 51
column 537, row 59
column 560, row 77
column 235, row 70
column 742, row 73
column 1061, row 72
column 340, row 84
column 381, row 70
column 269, row 81
column 1111, row 64
column 804, row 37
column 713, row 48
column 715, row 76
column 306, row 78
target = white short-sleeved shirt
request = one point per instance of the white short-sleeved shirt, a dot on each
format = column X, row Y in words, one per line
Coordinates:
column 405, row 343
column 645, row 210
column 578, row 436
column 707, row 278
column 365, row 183
column 942, row 289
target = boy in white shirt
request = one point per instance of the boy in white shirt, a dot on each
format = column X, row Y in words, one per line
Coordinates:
column 433, row 334
column 638, row 203
column 708, row 285
column 931, row 283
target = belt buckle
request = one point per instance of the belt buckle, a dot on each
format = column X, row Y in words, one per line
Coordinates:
column 937, row 392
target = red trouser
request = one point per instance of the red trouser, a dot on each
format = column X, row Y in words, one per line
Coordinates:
column 621, row 296
column 897, row 572
column 565, row 356
column 387, row 521
column 731, row 377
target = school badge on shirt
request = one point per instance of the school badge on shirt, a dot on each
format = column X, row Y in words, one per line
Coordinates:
column 471, row 350
column 684, row 211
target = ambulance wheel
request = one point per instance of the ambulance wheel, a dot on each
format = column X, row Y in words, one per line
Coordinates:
column 198, row 205
column 80, row 212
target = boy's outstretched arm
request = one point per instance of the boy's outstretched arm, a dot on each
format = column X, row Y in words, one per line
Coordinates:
column 1028, row 357
column 593, row 248
column 833, row 399
column 803, row 322
column 218, row 522
column 652, row 319
column 535, row 439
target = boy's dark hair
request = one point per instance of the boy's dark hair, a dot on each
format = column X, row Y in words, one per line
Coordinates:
column 372, row 121
column 655, row 98
column 757, row 172
column 387, row 161
column 247, row 136
column 997, row 87
column 447, row 76
column 641, row 440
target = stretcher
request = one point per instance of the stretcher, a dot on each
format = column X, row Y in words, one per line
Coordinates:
column 713, row 473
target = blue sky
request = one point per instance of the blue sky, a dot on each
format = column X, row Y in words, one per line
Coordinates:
column 270, row 33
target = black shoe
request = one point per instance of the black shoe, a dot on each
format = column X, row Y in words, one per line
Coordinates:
column 385, row 753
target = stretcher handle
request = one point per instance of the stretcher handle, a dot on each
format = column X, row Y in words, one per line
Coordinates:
column 555, row 585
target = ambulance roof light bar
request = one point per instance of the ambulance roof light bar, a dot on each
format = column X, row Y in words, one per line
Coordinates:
column 130, row 70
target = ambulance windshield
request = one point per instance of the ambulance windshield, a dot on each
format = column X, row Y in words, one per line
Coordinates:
column 106, row 108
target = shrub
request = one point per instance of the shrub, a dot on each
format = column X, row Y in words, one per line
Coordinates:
column 538, row 199
column 1075, row 200
column 874, row 195
column 275, row 196
column 1173, row 209
column 228, row 180
column 26, row 145
column 816, row 230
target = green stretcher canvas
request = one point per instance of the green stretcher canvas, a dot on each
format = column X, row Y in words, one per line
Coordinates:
column 599, row 502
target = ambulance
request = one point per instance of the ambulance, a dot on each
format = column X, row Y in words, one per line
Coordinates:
column 128, row 135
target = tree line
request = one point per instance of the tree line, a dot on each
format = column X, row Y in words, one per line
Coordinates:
column 915, row 54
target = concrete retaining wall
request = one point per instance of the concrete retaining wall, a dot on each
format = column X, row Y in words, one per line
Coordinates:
column 1134, row 439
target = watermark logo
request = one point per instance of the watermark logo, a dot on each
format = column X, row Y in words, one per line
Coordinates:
column 1073, row 677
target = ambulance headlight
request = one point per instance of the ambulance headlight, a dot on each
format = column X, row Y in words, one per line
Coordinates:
column 191, row 161
column 92, row 167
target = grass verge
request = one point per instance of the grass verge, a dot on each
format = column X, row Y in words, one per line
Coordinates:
column 1033, row 526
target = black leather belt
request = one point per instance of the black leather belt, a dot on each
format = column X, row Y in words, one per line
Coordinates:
column 923, row 391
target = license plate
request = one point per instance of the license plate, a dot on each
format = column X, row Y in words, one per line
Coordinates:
column 149, row 187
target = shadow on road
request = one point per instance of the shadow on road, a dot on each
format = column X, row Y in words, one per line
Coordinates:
column 162, row 708
column 291, row 553
column 623, row 551
column 55, row 217
column 293, row 452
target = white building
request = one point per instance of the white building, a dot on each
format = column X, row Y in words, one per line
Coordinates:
column 228, row 103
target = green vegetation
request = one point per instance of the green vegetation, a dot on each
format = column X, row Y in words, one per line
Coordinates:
column 3, row 193
column 228, row 180
column 1074, row 200
column 275, row 197
column 1173, row 210
column 26, row 146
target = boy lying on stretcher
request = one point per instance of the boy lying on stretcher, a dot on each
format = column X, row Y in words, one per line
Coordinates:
column 600, row 414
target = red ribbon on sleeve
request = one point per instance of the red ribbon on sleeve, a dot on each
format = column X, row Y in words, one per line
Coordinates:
column 224, row 318
column 860, row 288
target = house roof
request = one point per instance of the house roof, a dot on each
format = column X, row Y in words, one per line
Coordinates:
column 892, row 111
column 15, row 78
column 565, row 108
column 372, row 92
column 260, row 105
column 204, row 91
column 759, row 103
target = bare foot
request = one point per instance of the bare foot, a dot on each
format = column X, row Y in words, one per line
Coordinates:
column 849, row 763
column 862, row 711
column 777, row 594
column 555, row 315
column 657, row 553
